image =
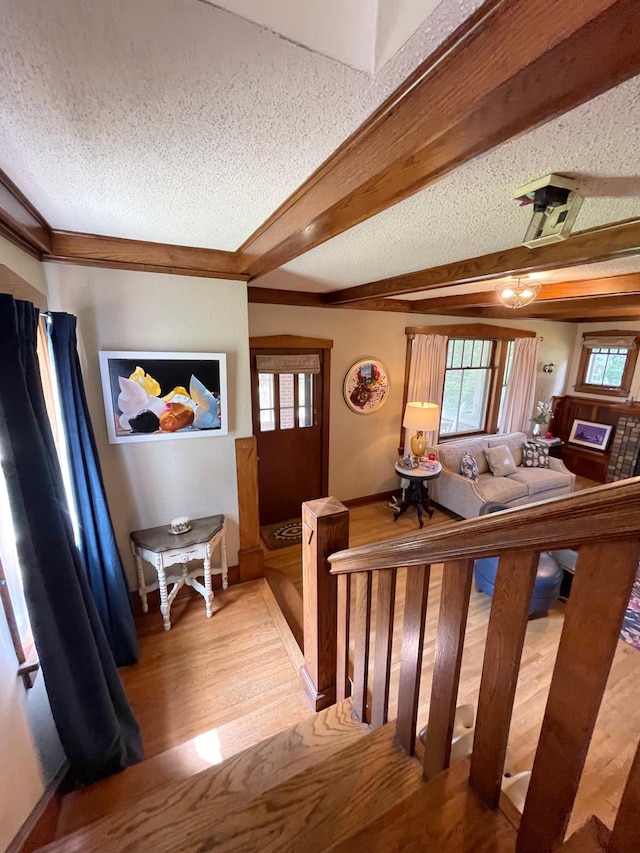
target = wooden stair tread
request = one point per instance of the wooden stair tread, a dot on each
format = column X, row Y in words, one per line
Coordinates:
column 210, row 794
column 442, row 815
column 79, row 808
column 311, row 810
column 592, row 837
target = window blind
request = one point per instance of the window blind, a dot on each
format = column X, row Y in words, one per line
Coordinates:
column 301, row 363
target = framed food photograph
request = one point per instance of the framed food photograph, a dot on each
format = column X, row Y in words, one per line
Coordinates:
column 366, row 386
column 589, row 434
column 155, row 396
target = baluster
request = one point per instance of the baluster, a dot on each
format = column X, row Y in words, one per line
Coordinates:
column 604, row 573
column 503, row 650
column 452, row 621
column 385, row 608
column 361, row 631
column 415, row 608
column 343, row 688
column 626, row 830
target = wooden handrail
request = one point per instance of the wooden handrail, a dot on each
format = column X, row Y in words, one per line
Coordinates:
column 554, row 523
column 603, row 525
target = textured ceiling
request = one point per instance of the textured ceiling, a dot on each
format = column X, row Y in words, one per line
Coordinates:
column 172, row 120
column 361, row 33
column 472, row 212
column 176, row 121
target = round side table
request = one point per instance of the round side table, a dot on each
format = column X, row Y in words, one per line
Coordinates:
column 417, row 492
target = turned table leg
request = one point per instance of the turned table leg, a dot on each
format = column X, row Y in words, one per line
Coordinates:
column 142, row 587
column 208, row 597
column 223, row 558
column 165, row 607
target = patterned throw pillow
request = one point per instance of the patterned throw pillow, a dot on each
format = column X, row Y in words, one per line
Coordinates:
column 534, row 455
column 469, row 467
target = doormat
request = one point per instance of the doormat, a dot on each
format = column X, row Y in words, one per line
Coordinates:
column 282, row 534
column 630, row 632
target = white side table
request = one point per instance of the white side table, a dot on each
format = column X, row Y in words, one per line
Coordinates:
column 161, row 548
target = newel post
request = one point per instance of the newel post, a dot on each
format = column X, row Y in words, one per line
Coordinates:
column 325, row 529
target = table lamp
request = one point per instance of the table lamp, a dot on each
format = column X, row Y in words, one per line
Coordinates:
column 421, row 417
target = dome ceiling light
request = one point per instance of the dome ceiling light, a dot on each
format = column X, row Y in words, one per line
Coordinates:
column 518, row 291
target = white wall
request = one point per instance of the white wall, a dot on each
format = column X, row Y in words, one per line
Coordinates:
column 363, row 448
column 30, row 752
column 149, row 483
column 627, row 325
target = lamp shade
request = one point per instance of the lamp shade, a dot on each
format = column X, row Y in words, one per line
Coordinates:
column 421, row 416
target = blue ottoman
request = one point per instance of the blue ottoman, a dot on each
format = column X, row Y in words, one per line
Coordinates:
column 546, row 588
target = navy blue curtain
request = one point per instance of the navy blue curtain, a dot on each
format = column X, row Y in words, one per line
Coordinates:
column 96, row 725
column 98, row 547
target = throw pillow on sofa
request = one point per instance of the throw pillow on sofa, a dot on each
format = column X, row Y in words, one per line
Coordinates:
column 501, row 461
column 534, row 455
column 469, row 467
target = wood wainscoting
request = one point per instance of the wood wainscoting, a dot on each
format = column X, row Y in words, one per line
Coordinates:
column 581, row 460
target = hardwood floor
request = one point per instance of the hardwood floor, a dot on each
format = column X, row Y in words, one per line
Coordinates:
column 236, row 675
column 204, row 674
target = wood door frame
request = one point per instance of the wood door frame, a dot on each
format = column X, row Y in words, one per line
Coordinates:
column 285, row 342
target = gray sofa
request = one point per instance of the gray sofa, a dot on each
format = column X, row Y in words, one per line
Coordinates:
column 528, row 485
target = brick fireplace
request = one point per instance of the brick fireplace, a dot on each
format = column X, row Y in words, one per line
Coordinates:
column 625, row 449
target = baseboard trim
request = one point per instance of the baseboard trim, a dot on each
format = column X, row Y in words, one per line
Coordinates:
column 369, row 499
column 40, row 827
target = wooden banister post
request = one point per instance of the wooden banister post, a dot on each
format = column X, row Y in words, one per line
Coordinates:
column 250, row 555
column 325, row 529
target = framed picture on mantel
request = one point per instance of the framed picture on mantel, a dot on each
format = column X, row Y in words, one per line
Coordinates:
column 589, row 434
column 155, row 396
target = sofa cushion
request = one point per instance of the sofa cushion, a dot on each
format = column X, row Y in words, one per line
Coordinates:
column 469, row 467
column 450, row 455
column 537, row 480
column 567, row 558
column 514, row 442
column 534, row 455
column 500, row 460
column 501, row 489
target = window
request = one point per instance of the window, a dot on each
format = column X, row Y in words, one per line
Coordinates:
column 478, row 365
column 12, row 595
column 607, row 363
column 467, row 384
column 505, row 379
column 284, row 398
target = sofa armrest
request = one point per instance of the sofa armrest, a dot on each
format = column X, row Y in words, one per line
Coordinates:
column 558, row 465
column 457, row 493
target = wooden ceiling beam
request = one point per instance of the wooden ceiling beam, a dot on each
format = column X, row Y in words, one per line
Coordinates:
column 20, row 222
column 624, row 306
column 117, row 253
column 274, row 296
column 564, row 290
column 603, row 243
column 507, row 69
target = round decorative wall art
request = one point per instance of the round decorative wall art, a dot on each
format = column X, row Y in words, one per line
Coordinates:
column 366, row 386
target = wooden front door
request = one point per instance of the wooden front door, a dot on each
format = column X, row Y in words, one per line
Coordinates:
column 288, row 401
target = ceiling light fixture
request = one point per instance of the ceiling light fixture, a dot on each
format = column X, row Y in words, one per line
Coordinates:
column 517, row 292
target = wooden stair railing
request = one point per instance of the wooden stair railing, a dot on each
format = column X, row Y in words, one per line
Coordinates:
column 603, row 524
